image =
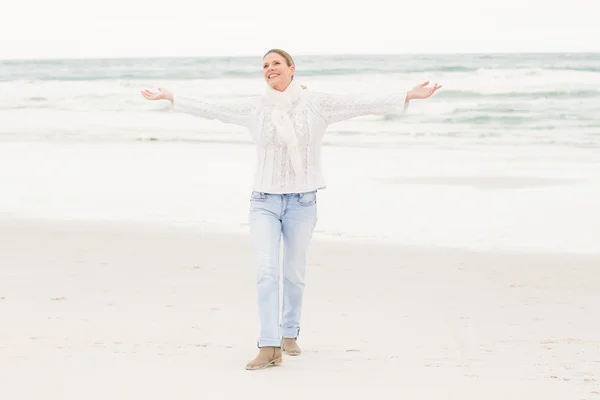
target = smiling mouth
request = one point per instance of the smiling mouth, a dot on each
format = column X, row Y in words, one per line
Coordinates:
column 272, row 76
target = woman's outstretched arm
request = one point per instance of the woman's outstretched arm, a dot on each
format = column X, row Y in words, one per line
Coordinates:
column 335, row 108
column 238, row 112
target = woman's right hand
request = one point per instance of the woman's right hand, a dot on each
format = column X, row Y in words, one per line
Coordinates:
column 162, row 94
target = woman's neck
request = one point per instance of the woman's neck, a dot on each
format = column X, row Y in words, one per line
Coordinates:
column 282, row 87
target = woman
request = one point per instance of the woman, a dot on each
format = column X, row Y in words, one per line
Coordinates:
column 287, row 124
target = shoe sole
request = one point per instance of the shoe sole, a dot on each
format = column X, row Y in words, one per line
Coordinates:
column 273, row 363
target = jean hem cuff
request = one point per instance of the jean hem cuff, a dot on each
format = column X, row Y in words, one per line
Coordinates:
column 290, row 333
column 269, row 343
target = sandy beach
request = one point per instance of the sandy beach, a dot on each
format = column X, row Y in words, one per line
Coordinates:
column 132, row 311
column 457, row 250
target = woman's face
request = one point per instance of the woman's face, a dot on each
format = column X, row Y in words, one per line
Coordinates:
column 276, row 72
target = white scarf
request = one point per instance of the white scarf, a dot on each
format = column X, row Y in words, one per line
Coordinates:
column 283, row 102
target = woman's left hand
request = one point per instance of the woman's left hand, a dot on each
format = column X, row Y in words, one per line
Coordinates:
column 422, row 91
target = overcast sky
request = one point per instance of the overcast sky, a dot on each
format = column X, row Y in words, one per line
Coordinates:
column 133, row 28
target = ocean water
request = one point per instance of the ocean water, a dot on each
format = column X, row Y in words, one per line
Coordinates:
column 506, row 156
column 519, row 99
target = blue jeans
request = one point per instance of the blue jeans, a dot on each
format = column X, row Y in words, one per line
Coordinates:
column 273, row 217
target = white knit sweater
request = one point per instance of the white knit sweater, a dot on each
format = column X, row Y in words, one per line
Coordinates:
column 311, row 115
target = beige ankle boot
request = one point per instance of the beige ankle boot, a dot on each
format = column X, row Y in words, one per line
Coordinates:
column 290, row 346
column 267, row 356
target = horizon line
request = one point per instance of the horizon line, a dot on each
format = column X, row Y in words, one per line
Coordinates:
column 297, row 54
